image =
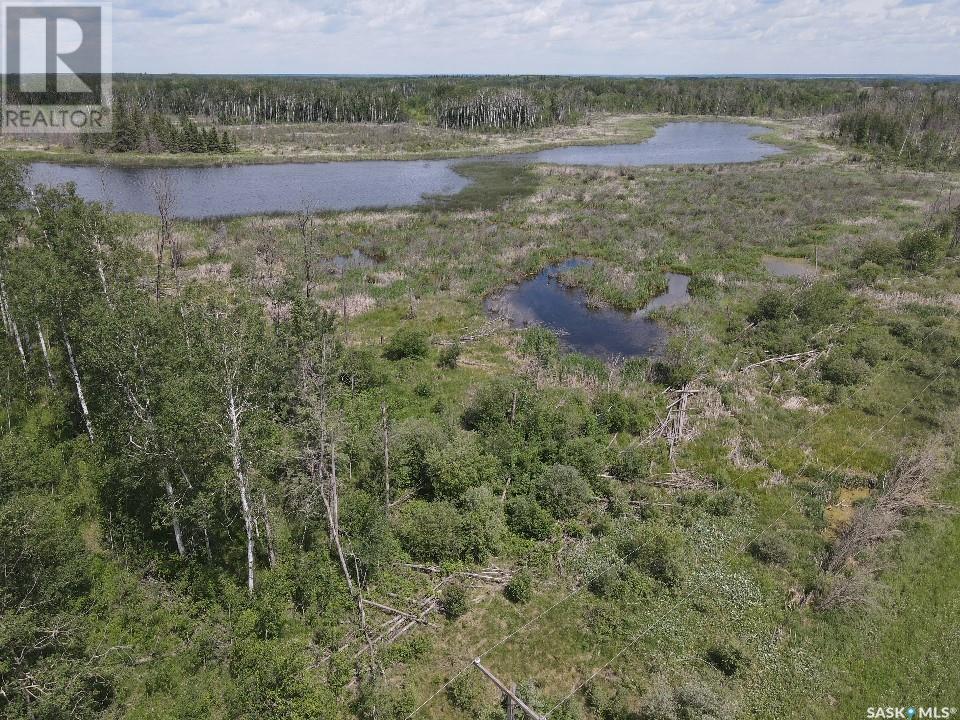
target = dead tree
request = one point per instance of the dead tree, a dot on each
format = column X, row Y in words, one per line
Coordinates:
column 306, row 226
column 164, row 196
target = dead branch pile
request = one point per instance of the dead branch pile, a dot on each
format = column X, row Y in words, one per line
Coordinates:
column 803, row 359
column 674, row 425
column 907, row 488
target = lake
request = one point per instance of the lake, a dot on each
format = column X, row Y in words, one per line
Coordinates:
column 605, row 332
column 230, row 190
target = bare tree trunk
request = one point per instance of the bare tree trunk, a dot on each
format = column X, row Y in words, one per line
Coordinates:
column 331, row 502
column 11, row 322
column 234, row 417
column 76, row 381
column 164, row 195
column 177, row 534
column 46, row 354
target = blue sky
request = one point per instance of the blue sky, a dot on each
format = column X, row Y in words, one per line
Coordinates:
column 530, row 36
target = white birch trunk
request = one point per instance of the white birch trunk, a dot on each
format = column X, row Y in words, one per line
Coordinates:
column 177, row 534
column 234, row 416
column 76, row 380
column 46, row 354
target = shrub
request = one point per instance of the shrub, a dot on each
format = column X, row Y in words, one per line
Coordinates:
column 493, row 405
column 821, row 303
column 841, row 369
column 465, row 693
column 771, row 549
column 772, row 305
column 453, row 602
column 430, row 531
column 586, row 455
column 407, row 342
column 563, row 491
column 449, row 356
column 483, row 526
column 527, row 519
column 634, row 462
column 520, row 587
column 696, row 701
column 868, row 273
column 878, row 252
column 458, row 466
column 359, row 369
column 921, row 249
column 655, row 549
column 723, row 503
column 726, row 657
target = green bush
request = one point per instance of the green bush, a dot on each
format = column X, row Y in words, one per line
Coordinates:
column 772, row 549
column 459, row 465
column 541, row 343
column 728, row 658
column 840, row 368
column 430, row 531
column 921, row 249
column 822, row 303
column 772, row 305
column 449, row 356
column 407, row 342
column 527, row 519
column 465, row 693
column 483, row 526
column 562, row 491
column 359, row 369
column 878, row 252
column 520, row 587
column 655, row 549
column 453, row 602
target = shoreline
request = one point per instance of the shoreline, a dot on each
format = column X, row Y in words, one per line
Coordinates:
column 769, row 131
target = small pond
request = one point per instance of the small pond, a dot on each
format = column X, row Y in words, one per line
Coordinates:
column 356, row 259
column 789, row 267
column 605, row 333
column 231, row 190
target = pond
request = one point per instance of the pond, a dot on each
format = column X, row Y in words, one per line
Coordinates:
column 605, row 333
column 789, row 267
column 230, row 190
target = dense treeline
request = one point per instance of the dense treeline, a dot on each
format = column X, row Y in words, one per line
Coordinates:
column 132, row 130
column 914, row 121
column 917, row 124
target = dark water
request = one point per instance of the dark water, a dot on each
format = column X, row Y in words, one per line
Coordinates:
column 604, row 333
column 285, row 188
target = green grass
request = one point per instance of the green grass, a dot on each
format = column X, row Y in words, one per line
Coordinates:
column 902, row 652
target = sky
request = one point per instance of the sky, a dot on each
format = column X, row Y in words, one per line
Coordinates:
column 639, row 37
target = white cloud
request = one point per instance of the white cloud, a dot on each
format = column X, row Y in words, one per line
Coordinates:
column 537, row 36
